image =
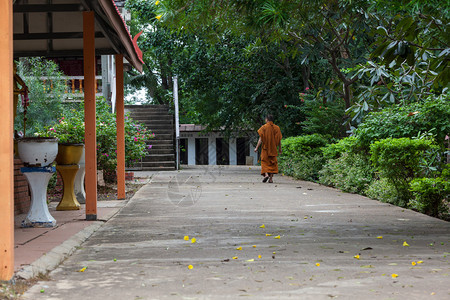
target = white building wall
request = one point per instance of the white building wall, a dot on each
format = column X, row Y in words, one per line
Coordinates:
column 191, row 151
column 212, row 159
column 253, row 153
column 232, row 152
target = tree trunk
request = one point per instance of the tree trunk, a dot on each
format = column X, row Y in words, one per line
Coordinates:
column 306, row 73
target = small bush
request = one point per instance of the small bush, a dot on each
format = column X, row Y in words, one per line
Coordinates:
column 350, row 172
column 430, row 195
column 308, row 167
column 382, row 190
column 303, row 145
column 345, row 145
column 399, row 161
column 302, row 156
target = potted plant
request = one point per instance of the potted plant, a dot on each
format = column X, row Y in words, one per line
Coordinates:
column 69, row 131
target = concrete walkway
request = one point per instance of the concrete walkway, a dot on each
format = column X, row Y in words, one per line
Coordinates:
column 318, row 243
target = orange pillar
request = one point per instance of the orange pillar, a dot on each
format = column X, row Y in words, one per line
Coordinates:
column 89, row 115
column 120, row 112
column 6, row 143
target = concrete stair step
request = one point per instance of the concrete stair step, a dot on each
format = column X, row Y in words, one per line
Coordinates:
column 159, row 157
column 158, row 121
column 161, row 131
column 160, row 126
column 157, row 164
column 156, row 151
column 162, row 147
column 147, row 106
column 158, row 168
column 163, row 136
column 159, row 141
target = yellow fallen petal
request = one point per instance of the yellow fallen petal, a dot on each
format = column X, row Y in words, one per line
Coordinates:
column 158, row 17
column 239, row 248
column 420, row 262
column 82, row 269
column 250, row 259
column 186, row 238
column 433, row 293
column 262, row 226
column 277, row 237
column 274, row 252
column 254, row 246
column 413, row 263
column 190, row 267
column 268, row 234
column 235, row 257
column 259, row 256
column 193, row 240
column 379, row 237
column 405, row 244
column 394, row 275
column 356, row 256
column 318, row 264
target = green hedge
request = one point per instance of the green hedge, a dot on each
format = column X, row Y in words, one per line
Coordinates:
column 302, row 156
column 396, row 156
column 398, row 160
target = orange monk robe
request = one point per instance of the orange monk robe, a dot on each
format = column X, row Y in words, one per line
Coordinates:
column 270, row 136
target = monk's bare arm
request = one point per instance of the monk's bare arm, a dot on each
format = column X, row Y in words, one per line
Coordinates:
column 279, row 148
column 259, row 144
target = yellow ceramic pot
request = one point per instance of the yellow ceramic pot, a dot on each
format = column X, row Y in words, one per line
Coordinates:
column 69, row 154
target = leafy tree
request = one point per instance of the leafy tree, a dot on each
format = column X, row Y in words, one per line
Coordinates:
column 410, row 61
column 46, row 91
column 229, row 83
column 336, row 31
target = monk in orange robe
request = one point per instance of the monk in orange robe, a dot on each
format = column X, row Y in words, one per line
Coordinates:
column 270, row 138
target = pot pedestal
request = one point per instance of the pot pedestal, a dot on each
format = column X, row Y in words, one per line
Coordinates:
column 80, row 193
column 38, row 215
column 69, row 200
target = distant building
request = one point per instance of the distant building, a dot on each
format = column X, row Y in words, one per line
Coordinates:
column 198, row 147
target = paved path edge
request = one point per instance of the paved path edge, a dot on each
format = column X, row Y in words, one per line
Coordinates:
column 52, row 259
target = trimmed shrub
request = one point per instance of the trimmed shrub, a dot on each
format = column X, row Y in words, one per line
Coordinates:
column 430, row 195
column 399, row 161
column 382, row 190
column 350, row 172
column 303, row 145
column 302, row 156
column 345, row 145
column 308, row 167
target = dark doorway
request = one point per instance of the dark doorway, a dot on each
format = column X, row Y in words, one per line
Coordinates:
column 222, row 152
column 242, row 150
column 183, row 151
column 201, row 151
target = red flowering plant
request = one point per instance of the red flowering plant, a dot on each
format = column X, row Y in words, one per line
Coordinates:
column 69, row 129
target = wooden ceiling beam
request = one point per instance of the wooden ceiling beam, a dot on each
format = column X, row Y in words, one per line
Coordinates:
column 62, row 53
column 39, row 8
column 53, row 36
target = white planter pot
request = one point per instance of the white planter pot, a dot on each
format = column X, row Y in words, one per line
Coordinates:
column 37, row 152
